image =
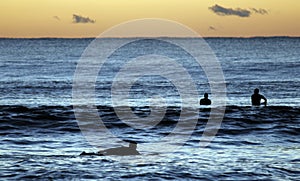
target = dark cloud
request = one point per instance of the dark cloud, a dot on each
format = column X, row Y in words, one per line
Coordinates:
column 81, row 19
column 56, row 17
column 222, row 11
column 211, row 28
column 219, row 10
column 259, row 11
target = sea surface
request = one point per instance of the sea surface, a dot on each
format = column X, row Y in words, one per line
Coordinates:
column 41, row 138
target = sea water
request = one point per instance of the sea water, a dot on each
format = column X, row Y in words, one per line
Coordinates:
column 41, row 139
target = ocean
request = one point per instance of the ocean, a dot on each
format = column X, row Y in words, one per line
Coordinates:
column 42, row 136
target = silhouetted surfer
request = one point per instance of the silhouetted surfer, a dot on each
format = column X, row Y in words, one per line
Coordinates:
column 205, row 100
column 256, row 98
column 121, row 151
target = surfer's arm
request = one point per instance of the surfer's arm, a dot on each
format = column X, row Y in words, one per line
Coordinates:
column 265, row 103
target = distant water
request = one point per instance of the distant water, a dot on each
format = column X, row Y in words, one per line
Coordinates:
column 40, row 138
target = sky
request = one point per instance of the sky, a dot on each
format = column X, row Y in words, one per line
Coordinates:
column 89, row 18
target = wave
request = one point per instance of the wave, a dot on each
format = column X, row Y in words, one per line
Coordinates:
column 237, row 119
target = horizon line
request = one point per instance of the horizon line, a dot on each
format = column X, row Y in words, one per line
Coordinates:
column 232, row 37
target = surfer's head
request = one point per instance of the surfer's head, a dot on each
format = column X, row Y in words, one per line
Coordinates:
column 206, row 95
column 256, row 91
column 132, row 145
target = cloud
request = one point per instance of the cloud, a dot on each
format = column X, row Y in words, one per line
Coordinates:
column 81, row 19
column 244, row 13
column 211, row 28
column 221, row 11
column 259, row 11
column 56, row 17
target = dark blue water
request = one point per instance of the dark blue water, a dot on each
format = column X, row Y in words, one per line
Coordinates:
column 40, row 138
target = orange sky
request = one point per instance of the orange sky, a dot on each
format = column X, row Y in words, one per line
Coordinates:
column 54, row 18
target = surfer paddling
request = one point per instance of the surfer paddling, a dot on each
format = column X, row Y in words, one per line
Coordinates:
column 121, row 151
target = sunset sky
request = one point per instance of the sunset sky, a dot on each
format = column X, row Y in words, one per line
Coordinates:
column 88, row 18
